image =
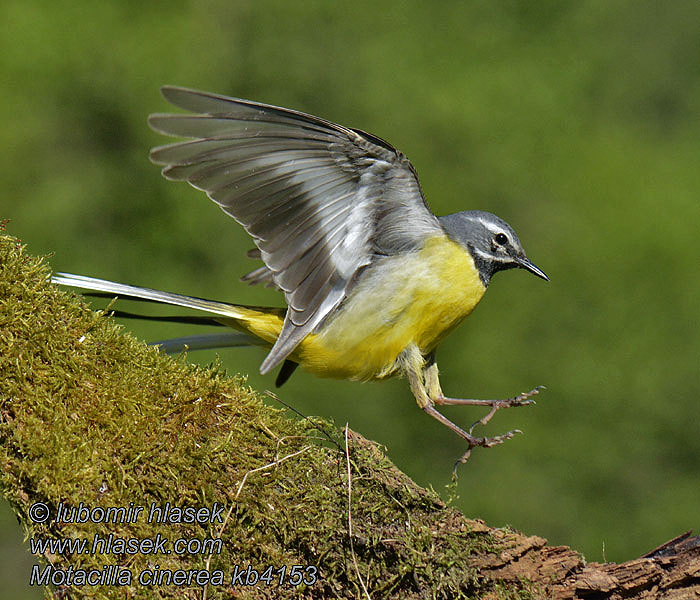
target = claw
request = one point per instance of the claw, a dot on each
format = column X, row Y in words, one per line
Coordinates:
column 499, row 439
column 485, row 442
column 524, row 399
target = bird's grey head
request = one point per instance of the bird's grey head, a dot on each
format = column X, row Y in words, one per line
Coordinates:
column 491, row 242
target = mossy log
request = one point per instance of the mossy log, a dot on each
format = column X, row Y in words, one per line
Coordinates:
column 92, row 419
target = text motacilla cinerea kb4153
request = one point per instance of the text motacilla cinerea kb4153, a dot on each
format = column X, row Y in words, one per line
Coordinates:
column 373, row 280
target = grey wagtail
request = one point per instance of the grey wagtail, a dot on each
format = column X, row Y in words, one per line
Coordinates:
column 373, row 280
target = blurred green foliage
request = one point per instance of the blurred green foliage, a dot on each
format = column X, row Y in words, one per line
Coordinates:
column 577, row 122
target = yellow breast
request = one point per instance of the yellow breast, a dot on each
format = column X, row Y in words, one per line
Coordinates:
column 415, row 298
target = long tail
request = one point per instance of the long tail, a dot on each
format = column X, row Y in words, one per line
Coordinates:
column 260, row 325
column 142, row 293
column 207, row 341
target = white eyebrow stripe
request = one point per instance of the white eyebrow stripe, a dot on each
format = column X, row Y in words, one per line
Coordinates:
column 493, row 228
column 491, row 257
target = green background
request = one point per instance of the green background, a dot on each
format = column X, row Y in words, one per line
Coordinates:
column 577, row 122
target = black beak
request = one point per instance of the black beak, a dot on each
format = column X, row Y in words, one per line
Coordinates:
column 524, row 263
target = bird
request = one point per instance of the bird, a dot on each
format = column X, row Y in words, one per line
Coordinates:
column 373, row 280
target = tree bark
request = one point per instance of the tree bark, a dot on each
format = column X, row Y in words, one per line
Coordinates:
column 671, row 571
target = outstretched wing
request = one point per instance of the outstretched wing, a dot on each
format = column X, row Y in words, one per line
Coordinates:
column 320, row 200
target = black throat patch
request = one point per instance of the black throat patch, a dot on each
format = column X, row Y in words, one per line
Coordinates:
column 485, row 267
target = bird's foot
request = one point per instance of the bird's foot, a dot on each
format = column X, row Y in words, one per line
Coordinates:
column 483, row 442
column 524, row 399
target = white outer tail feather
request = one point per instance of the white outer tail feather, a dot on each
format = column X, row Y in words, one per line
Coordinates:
column 121, row 289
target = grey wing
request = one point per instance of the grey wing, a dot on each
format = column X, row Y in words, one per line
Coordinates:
column 320, row 200
column 259, row 275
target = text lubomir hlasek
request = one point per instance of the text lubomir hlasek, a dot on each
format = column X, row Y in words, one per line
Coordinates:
column 155, row 513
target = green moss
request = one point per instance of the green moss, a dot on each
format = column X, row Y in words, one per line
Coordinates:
column 90, row 415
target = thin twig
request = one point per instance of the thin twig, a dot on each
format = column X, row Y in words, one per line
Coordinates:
column 302, row 415
column 352, row 547
column 238, row 492
column 218, row 535
column 267, row 466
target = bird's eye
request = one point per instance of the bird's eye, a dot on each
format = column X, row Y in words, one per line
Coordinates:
column 501, row 238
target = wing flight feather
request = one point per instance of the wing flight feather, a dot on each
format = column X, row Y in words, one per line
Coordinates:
column 320, row 200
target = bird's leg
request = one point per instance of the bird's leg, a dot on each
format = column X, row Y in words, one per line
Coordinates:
column 524, row 399
column 430, row 376
column 425, row 385
column 425, row 380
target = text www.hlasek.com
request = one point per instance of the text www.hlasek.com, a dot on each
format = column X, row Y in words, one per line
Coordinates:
column 116, row 545
column 153, row 575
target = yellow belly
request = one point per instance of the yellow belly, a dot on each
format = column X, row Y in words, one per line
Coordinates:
column 416, row 298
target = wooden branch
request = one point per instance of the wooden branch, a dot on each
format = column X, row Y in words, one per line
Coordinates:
column 671, row 571
column 91, row 419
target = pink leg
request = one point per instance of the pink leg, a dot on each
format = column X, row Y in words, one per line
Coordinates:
column 523, row 399
column 424, row 382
